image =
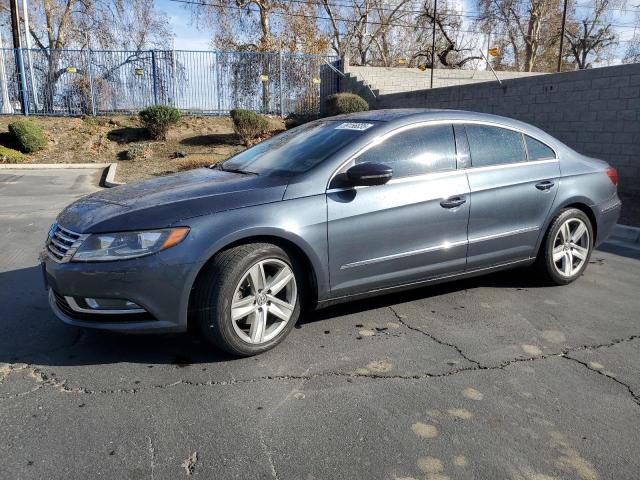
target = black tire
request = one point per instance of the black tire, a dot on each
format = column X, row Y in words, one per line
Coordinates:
column 216, row 287
column 545, row 264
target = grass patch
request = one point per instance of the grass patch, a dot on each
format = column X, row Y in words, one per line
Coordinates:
column 9, row 155
column 28, row 135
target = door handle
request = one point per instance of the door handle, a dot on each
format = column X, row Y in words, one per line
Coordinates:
column 546, row 185
column 452, row 202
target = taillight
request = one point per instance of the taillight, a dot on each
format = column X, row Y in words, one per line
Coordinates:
column 612, row 173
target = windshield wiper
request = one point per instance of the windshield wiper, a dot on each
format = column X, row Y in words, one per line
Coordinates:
column 234, row 170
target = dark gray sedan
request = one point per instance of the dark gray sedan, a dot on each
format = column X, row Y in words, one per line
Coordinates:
column 333, row 210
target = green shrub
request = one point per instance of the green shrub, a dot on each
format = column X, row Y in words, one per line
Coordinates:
column 135, row 151
column 340, row 103
column 27, row 135
column 9, row 155
column 248, row 125
column 158, row 119
column 296, row 119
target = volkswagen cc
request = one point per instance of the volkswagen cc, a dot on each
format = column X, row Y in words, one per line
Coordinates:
column 334, row 210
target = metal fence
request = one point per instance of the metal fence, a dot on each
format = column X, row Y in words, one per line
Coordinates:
column 74, row 82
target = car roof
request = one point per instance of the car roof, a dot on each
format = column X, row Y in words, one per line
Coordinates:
column 398, row 117
column 388, row 115
column 409, row 115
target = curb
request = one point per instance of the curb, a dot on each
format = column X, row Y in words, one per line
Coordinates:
column 108, row 178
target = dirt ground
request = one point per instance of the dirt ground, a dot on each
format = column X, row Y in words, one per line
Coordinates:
column 202, row 140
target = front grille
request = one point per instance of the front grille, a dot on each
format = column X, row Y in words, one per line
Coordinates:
column 63, row 243
column 65, row 308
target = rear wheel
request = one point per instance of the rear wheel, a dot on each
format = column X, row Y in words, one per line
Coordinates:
column 248, row 299
column 567, row 247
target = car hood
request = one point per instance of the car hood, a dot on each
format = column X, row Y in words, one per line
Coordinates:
column 165, row 201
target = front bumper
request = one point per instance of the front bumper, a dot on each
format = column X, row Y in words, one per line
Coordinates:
column 158, row 283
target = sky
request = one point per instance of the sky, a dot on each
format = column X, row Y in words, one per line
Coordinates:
column 187, row 35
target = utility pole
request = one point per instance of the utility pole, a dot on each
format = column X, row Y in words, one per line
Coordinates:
column 15, row 24
column 487, row 66
column 564, row 20
column 17, row 46
column 433, row 40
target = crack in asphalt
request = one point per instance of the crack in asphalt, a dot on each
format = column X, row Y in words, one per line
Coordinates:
column 44, row 379
column 401, row 319
column 634, row 395
column 50, row 380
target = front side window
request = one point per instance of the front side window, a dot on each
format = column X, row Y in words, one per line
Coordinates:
column 415, row 151
column 538, row 150
column 494, row 145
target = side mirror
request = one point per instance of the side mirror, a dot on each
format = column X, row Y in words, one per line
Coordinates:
column 369, row 174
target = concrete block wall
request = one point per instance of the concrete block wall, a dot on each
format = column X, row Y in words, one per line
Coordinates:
column 384, row 80
column 596, row 112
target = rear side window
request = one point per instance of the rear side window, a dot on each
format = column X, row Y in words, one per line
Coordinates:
column 416, row 151
column 537, row 150
column 494, row 145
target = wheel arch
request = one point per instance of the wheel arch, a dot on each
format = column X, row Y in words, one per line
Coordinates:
column 293, row 246
column 581, row 203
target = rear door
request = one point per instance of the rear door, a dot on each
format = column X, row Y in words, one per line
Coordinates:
column 410, row 229
column 513, row 181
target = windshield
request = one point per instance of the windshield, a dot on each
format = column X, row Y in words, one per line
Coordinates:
column 296, row 150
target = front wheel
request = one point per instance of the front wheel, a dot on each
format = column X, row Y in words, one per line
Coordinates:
column 565, row 252
column 248, row 299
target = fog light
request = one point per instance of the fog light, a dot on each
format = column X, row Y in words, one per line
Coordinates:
column 111, row 304
column 104, row 305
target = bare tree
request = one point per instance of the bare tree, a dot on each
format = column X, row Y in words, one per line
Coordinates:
column 392, row 25
column 632, row 53
column 528, row 26
column 131, row 24
column 242, row 24
column 372, row 31
column 349, row 29
column 56, row 25
column 301, row 31
column 452, row 48
column 590, row 37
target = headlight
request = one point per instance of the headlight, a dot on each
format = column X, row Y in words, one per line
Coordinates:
column 102, row 247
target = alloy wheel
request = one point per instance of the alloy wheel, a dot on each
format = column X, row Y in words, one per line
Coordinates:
column 263, row 301
column 571, row 247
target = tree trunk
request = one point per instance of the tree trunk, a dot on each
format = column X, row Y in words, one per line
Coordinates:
column 265, row 40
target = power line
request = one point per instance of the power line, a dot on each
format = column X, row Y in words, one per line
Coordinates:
column 456, row 12
column 350, row 20
column 315, row 17
column 366, row 22
column 451, row 12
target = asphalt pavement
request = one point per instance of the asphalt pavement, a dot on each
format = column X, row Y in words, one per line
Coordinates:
column 497, row 377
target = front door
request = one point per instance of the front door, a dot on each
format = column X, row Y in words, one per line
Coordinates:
column 412, row 228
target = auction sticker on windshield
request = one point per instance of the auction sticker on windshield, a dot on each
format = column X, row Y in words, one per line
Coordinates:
column 354, row 126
